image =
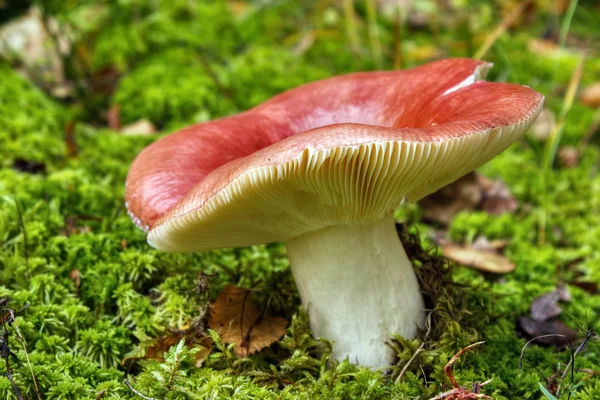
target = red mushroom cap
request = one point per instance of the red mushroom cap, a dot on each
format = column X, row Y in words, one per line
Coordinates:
column 341, row 150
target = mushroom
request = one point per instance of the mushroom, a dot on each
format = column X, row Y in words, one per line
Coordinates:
column 322, row 167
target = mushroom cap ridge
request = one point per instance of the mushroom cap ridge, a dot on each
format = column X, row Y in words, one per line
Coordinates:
column 343, row 150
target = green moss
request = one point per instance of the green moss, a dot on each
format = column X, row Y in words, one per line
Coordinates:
column 31, row 125
column 262, row 72
column 98, row 293
column 170, row 86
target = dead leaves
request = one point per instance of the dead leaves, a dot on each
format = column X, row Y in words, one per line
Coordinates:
column 590, row 96
column 481, row 259
column 158, row 347
column 237, row 320
column 141, row 127
column 546, row 306
column 543, row 324
column 471, row 192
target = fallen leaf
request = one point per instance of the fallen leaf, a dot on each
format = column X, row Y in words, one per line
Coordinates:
column 590, row 96
column 497, row 198
column 237, row 320
column 161, row 345
column 483, row 243
column 31, row 167
column 542, row 46
column 141, row 127
column 482, row 260
column 568, row 156
column 473, row 191
column 463, row 194
column 532, row 328
column 546, row 306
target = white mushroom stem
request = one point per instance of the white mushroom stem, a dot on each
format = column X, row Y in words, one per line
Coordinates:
column 359, row 287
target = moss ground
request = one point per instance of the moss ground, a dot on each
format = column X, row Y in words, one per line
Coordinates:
column 98, row 293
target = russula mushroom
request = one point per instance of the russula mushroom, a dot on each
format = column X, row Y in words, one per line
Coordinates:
column 322, row 167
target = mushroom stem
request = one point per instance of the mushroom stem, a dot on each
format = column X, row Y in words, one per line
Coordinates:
column 359, row 287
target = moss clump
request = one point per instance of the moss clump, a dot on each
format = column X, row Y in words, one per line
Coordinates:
column 170, row 87
column 31, row 125
column 262, row 72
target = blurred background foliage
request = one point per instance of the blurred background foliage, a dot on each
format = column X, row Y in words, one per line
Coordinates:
column 86, row 85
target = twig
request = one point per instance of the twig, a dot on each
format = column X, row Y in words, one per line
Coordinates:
column 101, row 394
column 419, row 349
column 22, row 340
column 500, row 29
column 590, row 333
column 458, row 392
column 136, row 392
column 541, row 337
column 7, row 317
column 12, row 382
column 448, row 367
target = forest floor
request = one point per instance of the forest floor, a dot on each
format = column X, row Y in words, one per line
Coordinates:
column 104, row 311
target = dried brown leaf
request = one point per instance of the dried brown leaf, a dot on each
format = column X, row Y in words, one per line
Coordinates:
column 162, row 344
column 482, row 260
column 542, row 46
column 546, row 306
column 568, row 156
column 237, row 320
column 483, row 243
column 471, row 192
column 590, row 96
column 141, row 127
column 497, row 198
column 463, row 194
column 532, row 328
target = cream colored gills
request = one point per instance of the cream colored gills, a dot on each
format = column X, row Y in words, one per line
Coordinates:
column 343, row 185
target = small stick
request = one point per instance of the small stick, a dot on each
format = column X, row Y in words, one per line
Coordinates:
column 22, row 340
column 448, row 367
column 419, row 349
